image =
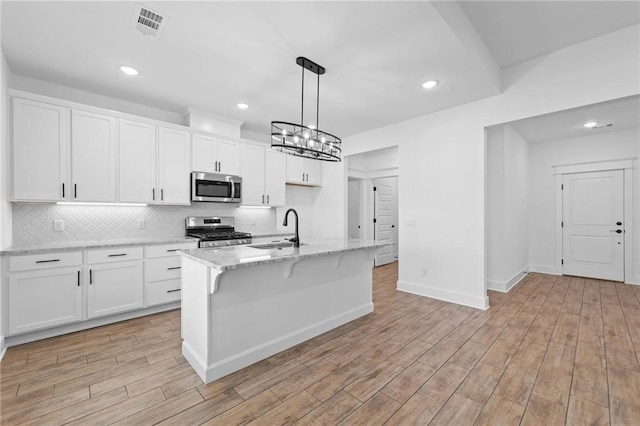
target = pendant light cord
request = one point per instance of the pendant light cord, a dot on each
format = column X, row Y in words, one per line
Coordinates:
column 302, row 106
column 318, row 107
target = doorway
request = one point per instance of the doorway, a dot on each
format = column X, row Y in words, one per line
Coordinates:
column 385, row 218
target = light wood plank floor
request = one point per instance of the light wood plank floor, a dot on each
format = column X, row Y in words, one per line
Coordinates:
column 555, row 350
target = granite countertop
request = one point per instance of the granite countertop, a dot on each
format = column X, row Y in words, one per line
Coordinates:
column 82, row 245
column 226, row 258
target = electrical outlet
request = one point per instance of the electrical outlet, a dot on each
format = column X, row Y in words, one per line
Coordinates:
column 140, row 224
column 425, row 272
column 58, row 225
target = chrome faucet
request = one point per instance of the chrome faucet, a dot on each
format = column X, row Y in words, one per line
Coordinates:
column 295, row 240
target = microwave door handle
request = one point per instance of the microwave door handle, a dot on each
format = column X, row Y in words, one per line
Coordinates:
column 233, row 189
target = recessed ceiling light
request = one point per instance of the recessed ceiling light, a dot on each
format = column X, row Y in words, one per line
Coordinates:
column 242, row 105
column 128, row 70
column 430, row 84
column 590, row 124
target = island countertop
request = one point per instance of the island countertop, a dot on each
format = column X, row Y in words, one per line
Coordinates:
column 225, row 258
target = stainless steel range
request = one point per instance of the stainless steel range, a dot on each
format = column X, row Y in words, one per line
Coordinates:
column 215, row 231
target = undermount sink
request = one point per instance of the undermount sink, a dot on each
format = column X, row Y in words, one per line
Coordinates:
column 272, row 246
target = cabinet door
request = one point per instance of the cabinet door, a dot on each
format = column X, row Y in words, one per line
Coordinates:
column 115, row 287
column 276, row 175
column 174, row 167
column 253, row 175
column 44, row 298
column 137, row 143
column 313, row 172
column 295, row 169
column 40, row 151
column 93, row 157
column 204, row 154
column 228, row 157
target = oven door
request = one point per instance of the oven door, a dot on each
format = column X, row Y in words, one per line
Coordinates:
column 212, row 187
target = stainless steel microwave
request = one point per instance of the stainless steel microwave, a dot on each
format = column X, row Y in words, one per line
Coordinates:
column 216, row 188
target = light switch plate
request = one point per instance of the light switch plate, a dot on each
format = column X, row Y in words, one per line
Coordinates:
column 58, row 225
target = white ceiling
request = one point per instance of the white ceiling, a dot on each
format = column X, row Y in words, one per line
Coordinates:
column 625, row 113
column 213, row 55
column 515, row 31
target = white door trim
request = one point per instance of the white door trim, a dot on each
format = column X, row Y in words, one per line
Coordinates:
column 627, row 166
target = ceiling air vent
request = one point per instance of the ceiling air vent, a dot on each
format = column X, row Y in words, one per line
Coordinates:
column 149, row 22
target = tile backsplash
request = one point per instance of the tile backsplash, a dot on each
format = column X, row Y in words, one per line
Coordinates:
column 33, row 223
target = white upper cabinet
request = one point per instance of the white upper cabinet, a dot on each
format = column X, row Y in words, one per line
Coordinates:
column 137, row 143
column 263, row 177
column 174, row 166
column 215, row 155
column 275, row 176
column 229, row 158
column 93, row 157
column 253, row 169
column 205, row 157
column 40, row 151
column 304, row 171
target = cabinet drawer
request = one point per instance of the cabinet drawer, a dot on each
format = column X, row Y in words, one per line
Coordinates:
column 162, row 268
column 168, row 249
column 163, row 292
column 35, row 262
column 114, row 255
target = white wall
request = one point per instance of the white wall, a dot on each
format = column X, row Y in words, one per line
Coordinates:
column 5, row 206
column 442, row 159
column 507, row 230
column 302, row 199
column 354, row 193
column 544, row 155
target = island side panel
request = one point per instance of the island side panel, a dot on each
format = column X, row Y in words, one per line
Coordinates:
column 195, row 314
column 261, row 310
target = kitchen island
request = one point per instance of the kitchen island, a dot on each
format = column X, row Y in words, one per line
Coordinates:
column 243, row 304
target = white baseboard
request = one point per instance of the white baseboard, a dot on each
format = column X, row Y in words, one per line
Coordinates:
column 477, row 302
column 544, row 269
column 3, row 348
column 505, row 286
column 272, row 347
column 634, row 281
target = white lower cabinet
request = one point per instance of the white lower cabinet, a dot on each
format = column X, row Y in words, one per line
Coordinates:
column 114, row 286
column 50, row 290
column 44, row 298
column 162, row 272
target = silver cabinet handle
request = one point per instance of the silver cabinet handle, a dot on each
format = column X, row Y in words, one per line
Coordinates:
column 78, row 278
column 47, row 261
column 267, row 199
column 75, row 190
column 90, row 276
column 173, row 291
column 153, row 192
column 262, row 198
column 175, row 267
column 62, row 189
column 170, row 250
column 162, row 194
column 117, row 255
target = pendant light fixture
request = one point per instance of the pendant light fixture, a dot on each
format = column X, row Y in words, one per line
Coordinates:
column 306, row 141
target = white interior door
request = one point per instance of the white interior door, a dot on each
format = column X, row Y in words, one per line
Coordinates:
column 593, row 225
column 385, row 207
